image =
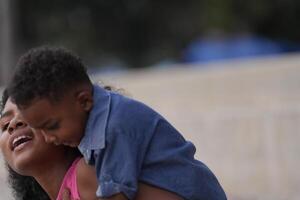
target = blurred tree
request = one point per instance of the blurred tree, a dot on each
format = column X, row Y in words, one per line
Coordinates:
column 6, row 49
column 143, row 32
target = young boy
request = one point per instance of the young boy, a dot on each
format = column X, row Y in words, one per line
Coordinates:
column 124, row 139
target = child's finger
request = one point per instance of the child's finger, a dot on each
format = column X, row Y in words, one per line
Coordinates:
column 66, row 194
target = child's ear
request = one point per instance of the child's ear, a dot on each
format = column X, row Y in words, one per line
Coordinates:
column 85, row 99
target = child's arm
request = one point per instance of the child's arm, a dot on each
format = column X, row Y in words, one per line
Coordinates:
column 115, row 197
column 148, row 192
column 87, row 183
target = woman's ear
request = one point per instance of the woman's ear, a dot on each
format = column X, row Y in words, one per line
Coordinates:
column 85, row 99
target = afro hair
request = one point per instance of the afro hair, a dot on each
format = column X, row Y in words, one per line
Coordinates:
column 46, row 72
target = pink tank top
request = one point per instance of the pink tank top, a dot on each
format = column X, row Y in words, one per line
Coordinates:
column 70, row 182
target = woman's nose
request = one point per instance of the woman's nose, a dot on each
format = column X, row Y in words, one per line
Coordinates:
column 15, row 124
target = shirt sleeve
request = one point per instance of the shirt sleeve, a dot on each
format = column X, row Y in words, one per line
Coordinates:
column 118, row 165
column 170, row 165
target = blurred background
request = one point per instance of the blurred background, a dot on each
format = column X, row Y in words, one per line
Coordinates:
column 224, row 72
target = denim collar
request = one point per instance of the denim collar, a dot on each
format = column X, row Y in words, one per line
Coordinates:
column 94, row 136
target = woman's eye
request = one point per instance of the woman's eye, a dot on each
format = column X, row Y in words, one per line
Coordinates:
column 53, row 126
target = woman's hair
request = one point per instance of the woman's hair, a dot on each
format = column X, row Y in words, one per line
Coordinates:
column 23, row 187
column 3, row 100
column 112, row 88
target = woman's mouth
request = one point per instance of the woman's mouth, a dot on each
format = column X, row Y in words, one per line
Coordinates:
column 20, row 141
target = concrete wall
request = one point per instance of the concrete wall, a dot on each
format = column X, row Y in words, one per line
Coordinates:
column 243, row 117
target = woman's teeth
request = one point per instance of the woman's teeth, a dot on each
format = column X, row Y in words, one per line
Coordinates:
column 19, row 140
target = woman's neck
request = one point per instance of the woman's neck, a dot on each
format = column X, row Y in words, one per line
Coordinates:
column 50, row 177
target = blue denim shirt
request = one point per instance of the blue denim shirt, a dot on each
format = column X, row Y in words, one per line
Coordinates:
column 129, row 142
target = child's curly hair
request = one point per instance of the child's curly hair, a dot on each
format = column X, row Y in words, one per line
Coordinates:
column 46, row 72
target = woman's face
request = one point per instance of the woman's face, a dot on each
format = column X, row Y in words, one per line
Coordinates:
column 23, row 149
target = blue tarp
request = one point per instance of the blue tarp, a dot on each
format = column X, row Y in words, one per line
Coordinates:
column 213, row 49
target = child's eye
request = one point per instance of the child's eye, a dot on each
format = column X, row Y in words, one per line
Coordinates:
column 53, row 126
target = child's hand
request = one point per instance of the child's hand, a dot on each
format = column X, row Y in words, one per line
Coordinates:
column 66, row 194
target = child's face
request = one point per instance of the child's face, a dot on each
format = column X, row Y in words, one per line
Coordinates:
column 62, row 122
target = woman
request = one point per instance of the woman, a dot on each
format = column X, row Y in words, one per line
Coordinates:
column 52, row 167
column 27, row 153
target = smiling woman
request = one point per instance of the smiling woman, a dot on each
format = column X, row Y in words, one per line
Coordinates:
column 23, row 187
column 27, row 153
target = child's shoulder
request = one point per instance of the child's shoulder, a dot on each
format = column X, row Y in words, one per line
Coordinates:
column 125, row 106
column 129, row 114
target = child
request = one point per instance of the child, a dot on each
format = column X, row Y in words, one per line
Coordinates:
column 124, row 139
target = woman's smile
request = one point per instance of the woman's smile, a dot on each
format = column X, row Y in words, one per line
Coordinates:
column 19, row 143
column 20, row 138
